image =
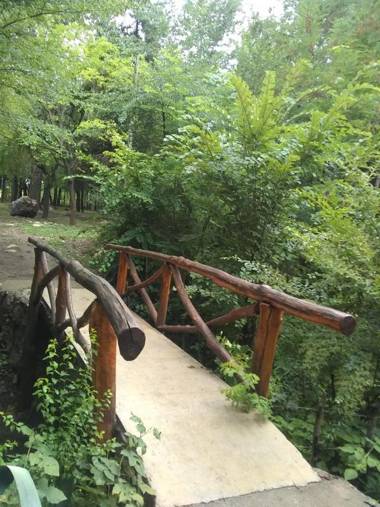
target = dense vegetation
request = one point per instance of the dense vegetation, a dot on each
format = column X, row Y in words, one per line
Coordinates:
column 69, row 462
column 258, row 154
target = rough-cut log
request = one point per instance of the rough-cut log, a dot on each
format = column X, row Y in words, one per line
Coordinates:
column 222, row 320
column 85, row 344
column 50, row 288
column 105, row 365
column 61, row 302
column 150, row 306
column 265, row 345
column 156, row 275
column 305, row 310
column 81, row 322
column 45, row 280
column 131, row 338
column 166, row 281
column 204, row 330
column 122, row 273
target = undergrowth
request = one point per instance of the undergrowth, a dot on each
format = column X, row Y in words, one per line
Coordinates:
column 69, row 461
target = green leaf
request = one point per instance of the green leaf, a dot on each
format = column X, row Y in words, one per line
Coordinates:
column 350, row 474
column 52, row 494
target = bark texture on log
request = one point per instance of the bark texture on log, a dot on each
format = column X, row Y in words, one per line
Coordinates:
column 303, row 309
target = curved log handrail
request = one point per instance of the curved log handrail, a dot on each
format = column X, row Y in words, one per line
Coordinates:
column 130, row 337
column 306, row 310
column 45, row 281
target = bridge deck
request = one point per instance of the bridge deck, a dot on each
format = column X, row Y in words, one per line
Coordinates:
column 207, row 450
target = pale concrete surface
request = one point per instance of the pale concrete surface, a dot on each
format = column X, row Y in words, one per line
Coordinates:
column 207, row 450
column 327, row 493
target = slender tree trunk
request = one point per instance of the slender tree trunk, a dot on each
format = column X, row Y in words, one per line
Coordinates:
column 3, row 188
column 46, row 199
column 36, row 184
column 14, row 190
column 59, row 197
column 72, row 202
column 316, row 451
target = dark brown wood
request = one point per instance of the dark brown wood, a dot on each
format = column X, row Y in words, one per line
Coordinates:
column 156, row 275
column 61, row 302
column 166, row 281
column 145, row 296
column 265, row 345
column 204, row 330
column 305, row 310
column 105, row 365
column 82, row 321
column 122, row 273
column 48, row 277
column 222, row 320
column 131, row 337
column 83, row 342
column 38, row 274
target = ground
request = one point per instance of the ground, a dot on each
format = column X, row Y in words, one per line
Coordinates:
column 16, row 255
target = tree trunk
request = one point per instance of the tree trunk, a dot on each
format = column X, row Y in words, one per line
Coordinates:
column 46, row 199
column 72, row 201
column 36, row 184
column 3, row 188
column 14, row 191
column 316, row 451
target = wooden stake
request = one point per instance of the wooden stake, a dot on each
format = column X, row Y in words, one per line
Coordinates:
column 105, row 365
column 265, row 345
column 122, row 273
column 166, row 281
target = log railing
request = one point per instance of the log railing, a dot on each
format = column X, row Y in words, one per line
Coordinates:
column 271, row 305
column 108, row 315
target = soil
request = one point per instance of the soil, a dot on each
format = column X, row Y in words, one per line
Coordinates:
column 17, row 255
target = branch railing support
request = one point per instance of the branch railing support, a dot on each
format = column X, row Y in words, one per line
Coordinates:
column 269, row 303
column 105, row 367
column 108, row 316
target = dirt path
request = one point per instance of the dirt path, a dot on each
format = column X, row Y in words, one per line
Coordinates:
column 16, row 255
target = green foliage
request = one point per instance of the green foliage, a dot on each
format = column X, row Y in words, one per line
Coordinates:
column 65, row 452
column 242, row 383
column 260, row 157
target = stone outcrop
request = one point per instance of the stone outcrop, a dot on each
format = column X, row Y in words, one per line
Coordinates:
column 24, row 207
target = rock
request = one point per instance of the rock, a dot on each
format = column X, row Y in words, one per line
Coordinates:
column 24, row 207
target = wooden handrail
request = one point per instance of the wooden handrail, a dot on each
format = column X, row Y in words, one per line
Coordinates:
column 131, row 338
column 107, row 315
column 271, row 305
column 306, row 310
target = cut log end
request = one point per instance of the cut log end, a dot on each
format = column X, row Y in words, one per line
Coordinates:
column 131, row 343
column 347, row 325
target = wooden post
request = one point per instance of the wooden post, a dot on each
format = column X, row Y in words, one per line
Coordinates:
column 265, row 345
column 105, row 365
column 60, row 302
column 122, row 273
column 166, row 280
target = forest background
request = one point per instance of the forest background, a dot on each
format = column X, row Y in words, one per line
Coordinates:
column 251, row 147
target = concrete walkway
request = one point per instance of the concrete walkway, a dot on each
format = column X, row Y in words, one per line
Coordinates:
column 207, row 450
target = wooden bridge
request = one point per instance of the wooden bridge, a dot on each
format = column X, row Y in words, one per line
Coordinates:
column 208, row 451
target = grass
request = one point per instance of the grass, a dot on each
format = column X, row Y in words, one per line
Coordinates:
column 74, row 241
